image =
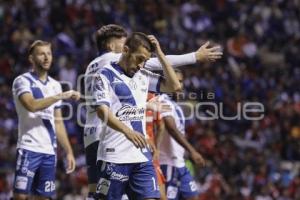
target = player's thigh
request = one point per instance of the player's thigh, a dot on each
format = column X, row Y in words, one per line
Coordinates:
column 143, row 182
column 188, row 187
column 44, row 184
column 26, row 166
column 113, row 179
column 91, row 160
column 172, row 181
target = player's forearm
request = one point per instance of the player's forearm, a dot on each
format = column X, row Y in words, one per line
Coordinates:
column 107, row 117
column 159, row 134
column 174, row 60
column 171, row 80
column 40, row 104
column 63, row 138
column 176, row 134
column 182, row 140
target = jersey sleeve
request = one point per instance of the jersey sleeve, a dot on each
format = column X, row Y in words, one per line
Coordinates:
column 175, row 60
column 154, row 81
column 101, row 91
column 20, row 86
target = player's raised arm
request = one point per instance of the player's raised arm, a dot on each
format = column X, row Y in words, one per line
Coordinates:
column 205, row 53
column 170, row 82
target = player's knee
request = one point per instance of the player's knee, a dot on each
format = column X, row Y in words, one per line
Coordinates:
column 20, row 197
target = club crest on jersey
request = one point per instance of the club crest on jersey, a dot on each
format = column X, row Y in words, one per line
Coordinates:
column 132, row 85
column 127, row 112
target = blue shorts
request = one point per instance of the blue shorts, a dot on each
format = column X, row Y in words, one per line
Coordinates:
column 35, row 173
column 179, row 183
column 137, row 180
column 91, row 162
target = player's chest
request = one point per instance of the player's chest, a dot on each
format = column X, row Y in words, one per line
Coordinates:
column 40, row 90
column 136, row 86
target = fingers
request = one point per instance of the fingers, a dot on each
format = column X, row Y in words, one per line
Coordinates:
column 71, row 165
column 206, row 44
column 215, row 48
column 138, row 140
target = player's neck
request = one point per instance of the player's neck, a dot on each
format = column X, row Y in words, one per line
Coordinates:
column 41, row 74
column 122, row 63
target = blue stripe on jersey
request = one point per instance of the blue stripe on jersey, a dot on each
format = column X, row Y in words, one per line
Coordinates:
column 180, row 116
column 37, row 94
column 50, row 129
column 126, row 98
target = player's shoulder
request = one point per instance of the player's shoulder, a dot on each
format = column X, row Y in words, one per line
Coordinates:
column 24, row 78
column 53, row 81
column 102, row 60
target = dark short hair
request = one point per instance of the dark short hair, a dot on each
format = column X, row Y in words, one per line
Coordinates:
column 137, row 39
column 107, row 32
column 37, row 43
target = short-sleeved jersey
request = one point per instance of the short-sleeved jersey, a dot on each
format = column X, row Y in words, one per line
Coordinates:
column 172, row 153
column 36, row 130
column 126, row 98
column 93, row 125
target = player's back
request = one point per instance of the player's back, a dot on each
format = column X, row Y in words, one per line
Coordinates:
column 36, row 130
column 93, row 125
column 171, row 152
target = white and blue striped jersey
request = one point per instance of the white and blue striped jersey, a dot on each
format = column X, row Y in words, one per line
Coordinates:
column 93, row 125
column 36, row 130
column 171, row 152
column 126, row 97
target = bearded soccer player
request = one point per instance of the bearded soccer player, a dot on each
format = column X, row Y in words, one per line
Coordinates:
column 38, row 98
column 120, row 93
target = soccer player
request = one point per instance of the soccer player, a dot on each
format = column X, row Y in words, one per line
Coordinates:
column 38, row 99
column 179, row 182
column 110, row 41
column 120, row 93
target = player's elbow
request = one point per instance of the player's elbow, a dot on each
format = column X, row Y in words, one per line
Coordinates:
column 102, row 112
column 31, row 108
column 177, row 88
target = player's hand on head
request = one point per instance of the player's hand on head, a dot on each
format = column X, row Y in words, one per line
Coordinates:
column 71, row 94
column 208, row 54
column 155, row 42
column 198, row 159
column 71, row 163
column 137, row 139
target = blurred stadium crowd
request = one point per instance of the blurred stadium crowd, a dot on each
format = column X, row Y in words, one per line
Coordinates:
column 247, row 160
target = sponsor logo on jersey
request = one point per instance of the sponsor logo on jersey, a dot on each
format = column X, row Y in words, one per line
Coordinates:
column 130, row 113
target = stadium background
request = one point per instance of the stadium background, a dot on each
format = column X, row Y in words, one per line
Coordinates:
column 247, row 160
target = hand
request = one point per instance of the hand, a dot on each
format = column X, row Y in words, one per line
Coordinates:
column 204, row 54
column 137, row 139
column 198, row 159
column 71, row 164
column 155, row 42
column 71, row 94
